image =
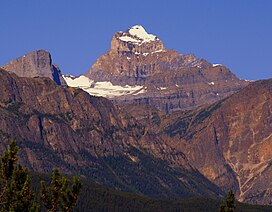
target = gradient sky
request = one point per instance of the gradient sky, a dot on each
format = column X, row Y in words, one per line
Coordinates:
column 236, row 33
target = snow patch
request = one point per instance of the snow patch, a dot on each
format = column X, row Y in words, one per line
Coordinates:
column 140, row 32
column 214, row 65
column 163, row 88
column 129, row 39
column 105, row 88
column 161, row 50
column 147, row 53
column 80, row 81
column 137, row 35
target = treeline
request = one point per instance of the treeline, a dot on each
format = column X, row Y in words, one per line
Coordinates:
column 96, row 197
column 16, row 194
column 56, row 194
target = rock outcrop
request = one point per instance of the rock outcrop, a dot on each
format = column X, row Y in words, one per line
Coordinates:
column 230, row 142
column 35, row 64
column 135, row 55
column 63, row 127
column 167, row 80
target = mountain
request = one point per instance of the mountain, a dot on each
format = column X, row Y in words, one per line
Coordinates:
column 227, row 142
column 139, row 69
column 174, row 125
column 35, row 64
column 230, row 142
column 64, row 127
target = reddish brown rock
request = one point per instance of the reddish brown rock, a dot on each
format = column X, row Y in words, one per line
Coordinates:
column 171, row 81
column 57, row 126
column 35, row 64
column 230, row 142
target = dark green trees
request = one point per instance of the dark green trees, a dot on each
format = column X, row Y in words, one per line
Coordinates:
column 229, row 205
column 59, row 196
column 16, row 194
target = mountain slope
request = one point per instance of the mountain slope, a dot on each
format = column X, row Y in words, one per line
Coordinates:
column 230, row 141
column 143, row 71
column 67, row 128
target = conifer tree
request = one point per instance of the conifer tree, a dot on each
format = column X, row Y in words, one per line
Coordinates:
column 15, row 192
column 229, row 205
column 59, row 196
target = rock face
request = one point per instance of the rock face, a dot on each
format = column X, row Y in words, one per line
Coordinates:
column 230, row 142
column 35, row 64
column 168, row 80
column 135, row 55
column 57, row 126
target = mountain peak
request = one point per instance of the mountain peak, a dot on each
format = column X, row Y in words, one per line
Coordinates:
column 136, row 35
column 140, row 69
column 35, row 64
column 136, row 40
column 140, row 32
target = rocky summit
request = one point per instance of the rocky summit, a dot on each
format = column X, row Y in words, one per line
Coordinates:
column 35, row 64
column 138, row 69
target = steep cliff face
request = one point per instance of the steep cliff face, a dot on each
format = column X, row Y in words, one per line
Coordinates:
column 230, row 142
column 35, row 64
column 64, row 127
column 136, row 55
column 150, row 74
column 187, row 89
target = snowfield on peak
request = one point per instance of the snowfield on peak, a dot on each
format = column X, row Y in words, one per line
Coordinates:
column 137, row 35
column 104, row 89
column 140, row 32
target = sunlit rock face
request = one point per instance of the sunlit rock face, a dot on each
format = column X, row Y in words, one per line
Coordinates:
column 35, row 64
column 66, row 128
column 230, row 142
column 157, row 76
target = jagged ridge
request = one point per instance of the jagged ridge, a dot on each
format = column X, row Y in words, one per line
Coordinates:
column 67, row 128
column 145, row 72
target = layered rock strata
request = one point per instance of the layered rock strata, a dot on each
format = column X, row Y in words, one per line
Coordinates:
column 166, row 79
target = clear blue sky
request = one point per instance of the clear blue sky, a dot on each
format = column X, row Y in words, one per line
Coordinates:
column 236, row 33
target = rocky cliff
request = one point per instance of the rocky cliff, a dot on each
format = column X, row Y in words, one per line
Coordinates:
column 230, row 142
column 57, row 126
column 135, row 55
column 133, row 145
column 35, row 64
column 159, row 77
